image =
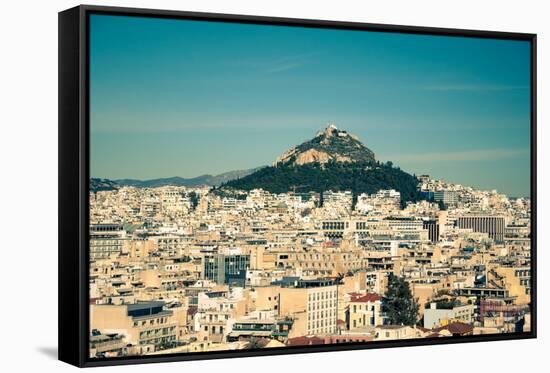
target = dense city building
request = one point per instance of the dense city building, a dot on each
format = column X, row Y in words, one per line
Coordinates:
column 184, row 269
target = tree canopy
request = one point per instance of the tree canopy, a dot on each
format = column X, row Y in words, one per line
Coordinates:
column 336, row 176
column 398, row 302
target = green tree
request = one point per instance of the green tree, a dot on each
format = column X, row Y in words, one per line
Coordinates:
column 194, row 199
column 398, row 302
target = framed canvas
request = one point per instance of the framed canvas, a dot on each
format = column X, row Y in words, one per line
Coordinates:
column 233, row 186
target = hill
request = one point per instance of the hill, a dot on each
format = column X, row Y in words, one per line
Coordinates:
column 97, row 185
column 333, row 160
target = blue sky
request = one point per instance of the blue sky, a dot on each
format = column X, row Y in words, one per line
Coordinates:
column 185, row 98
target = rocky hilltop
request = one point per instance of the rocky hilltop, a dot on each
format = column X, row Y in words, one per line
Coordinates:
column 330, row 145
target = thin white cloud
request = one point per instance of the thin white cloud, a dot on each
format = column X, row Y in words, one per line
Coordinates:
column 285, row 67
column 289, row 62
column 461, row 156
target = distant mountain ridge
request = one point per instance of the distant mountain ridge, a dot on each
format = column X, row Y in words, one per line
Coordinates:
column 210, row 180
column 97, row 184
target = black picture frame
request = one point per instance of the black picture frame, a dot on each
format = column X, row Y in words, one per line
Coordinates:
column 74, row 176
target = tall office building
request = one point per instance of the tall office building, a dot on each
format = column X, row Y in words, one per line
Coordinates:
column 316, row 300
column 106, row 240
column 432, row 225
column 492, row 225
column 221, row 268
column 448, row 197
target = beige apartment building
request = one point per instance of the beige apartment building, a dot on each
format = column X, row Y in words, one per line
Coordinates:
column 139, row 323
column 365, row 311
column 435, row 317
column 317, row 300
column 266, row 298
column 322, row 261
column 394, row 332
column 217, row 312
column 517, row 280
column 139, row 249
column 106, row 240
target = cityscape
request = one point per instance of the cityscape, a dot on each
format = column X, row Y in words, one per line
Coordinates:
column 257, row 186
column 178, row 269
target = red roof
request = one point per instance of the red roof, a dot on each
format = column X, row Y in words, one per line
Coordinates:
column 364, row 298
column 434, row 335
column 456, row 327
column 305, row 341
